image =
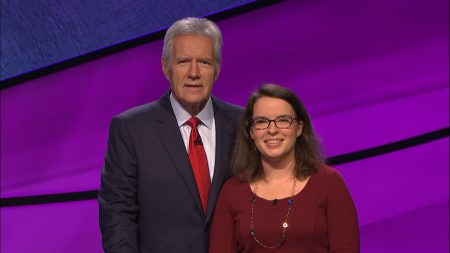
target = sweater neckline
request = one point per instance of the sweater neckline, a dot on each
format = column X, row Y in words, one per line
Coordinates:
column 296, row 196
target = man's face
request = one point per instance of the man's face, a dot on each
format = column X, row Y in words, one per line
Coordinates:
column 191, row 71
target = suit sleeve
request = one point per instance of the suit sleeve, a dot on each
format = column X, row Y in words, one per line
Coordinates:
column 223, row 229
column 118, row 192
column 343, row 230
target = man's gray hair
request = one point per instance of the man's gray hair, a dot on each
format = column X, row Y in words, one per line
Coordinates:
column 193, row 26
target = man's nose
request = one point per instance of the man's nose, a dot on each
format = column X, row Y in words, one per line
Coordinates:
column 194, row 70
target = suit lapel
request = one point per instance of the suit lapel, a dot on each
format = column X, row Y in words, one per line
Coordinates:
column 224, row 143
column 172, row 142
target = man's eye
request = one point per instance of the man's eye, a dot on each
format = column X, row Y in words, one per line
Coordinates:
column 204, row 62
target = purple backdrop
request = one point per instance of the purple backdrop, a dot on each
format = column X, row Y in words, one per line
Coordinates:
column 370, row 73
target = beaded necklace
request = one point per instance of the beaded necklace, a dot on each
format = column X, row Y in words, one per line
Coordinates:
column 283, row 226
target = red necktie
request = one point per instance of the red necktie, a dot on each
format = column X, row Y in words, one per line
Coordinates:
column 199, row 163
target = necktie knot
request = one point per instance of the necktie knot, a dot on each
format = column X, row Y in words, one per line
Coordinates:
column 193, row 122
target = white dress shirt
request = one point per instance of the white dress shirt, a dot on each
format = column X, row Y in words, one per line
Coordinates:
column 206, row 129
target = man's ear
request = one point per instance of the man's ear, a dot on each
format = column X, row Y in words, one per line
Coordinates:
column 164, row 69
column 216, row 74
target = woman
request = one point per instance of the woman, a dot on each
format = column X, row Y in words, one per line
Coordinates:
column 282, row 198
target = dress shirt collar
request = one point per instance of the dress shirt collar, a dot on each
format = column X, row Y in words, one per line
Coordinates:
column 206, row 115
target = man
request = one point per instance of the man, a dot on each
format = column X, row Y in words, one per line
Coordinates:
column 162, row 172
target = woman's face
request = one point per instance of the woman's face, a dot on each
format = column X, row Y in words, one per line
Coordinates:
column 275, row 143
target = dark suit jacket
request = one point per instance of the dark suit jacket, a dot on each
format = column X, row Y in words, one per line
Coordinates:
column 148, row 197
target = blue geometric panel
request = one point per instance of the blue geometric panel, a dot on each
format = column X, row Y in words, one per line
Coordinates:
column 35, row 34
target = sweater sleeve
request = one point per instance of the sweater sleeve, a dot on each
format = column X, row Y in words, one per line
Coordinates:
column 223, row 230
column 343, row 230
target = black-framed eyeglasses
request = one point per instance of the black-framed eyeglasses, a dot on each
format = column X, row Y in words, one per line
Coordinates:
column 282, row 122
